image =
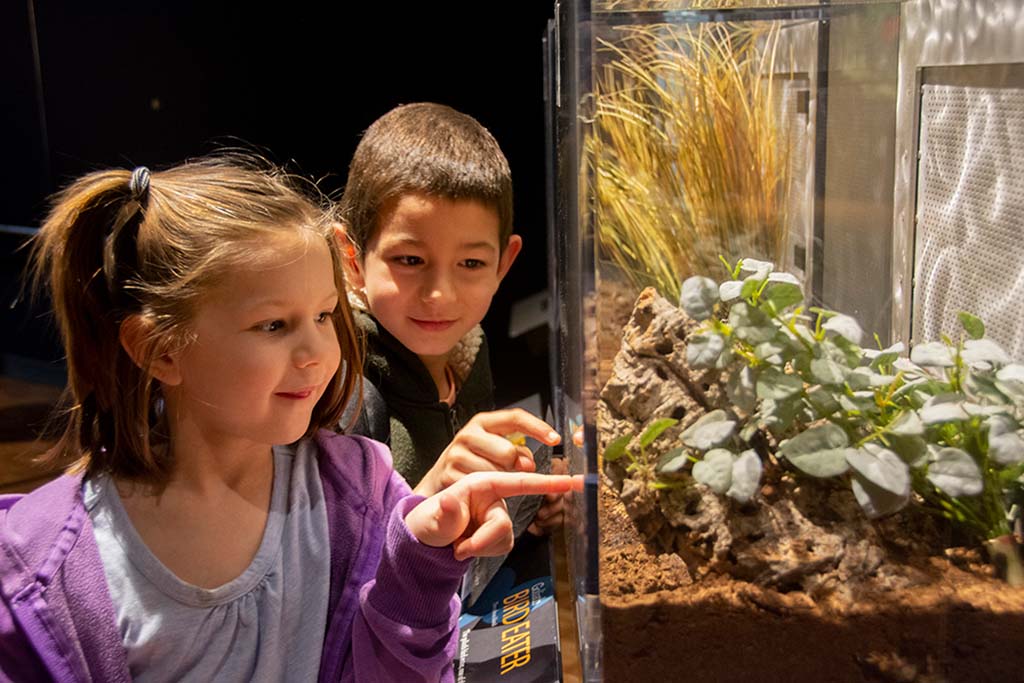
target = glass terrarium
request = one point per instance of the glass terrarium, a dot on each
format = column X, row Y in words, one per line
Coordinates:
column 789, row 342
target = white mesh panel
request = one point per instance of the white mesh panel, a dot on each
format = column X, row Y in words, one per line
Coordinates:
column 970, row 214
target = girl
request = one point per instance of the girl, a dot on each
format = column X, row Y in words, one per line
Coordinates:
column 210, row 529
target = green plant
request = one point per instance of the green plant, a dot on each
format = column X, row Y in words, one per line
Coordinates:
column 639, row 462
column 941, row 428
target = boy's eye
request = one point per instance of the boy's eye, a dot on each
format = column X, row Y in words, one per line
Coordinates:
column 474, row 263
column 408, row 260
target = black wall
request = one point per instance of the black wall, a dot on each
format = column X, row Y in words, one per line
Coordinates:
column 101, row 83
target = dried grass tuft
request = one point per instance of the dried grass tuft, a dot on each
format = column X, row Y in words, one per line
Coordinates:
column 685, row 150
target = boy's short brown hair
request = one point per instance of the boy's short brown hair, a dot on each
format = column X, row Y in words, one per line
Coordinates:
column 430, row 149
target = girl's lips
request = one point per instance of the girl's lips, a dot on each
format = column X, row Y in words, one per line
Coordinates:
column 433, row 325
column 297, row 395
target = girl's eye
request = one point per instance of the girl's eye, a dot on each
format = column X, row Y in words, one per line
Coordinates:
column 324, row 317
column 408, row 260
column 271, row 326
column 473, row 263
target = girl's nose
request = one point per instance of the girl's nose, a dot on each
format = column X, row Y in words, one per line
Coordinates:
column 312, row 345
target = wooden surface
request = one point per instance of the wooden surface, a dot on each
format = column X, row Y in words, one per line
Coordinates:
column 25, row 409
column 566, row 599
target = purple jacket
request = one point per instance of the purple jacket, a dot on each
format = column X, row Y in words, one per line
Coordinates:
column 392, row 614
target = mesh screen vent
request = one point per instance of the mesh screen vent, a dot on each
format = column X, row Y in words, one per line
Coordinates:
column 970, row 214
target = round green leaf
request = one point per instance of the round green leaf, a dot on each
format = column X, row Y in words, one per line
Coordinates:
column 1005, row 445
column 941, row 413
column 698, row 297
column 770, row 351
column 779, row 416
column 913, row 450
column 908, row 423
column 818, row 451
column 750, row 287
column 1010, row 381
column 746, row 477
column 782, row 277
column 730, row 291
column 782, row 295
column 711, row 430
column 972, row 325
column 1011, row 373
column 715, row 470
column 760, row 268
column 984, row 351
column 823, row 400
column 1006, row 449
column 741, row 389
column 751, row 324
column 881, row 467
column 703, row 350
column 884, row 356
column 873, row 499
column 673, row 462
column 932, row 354
column 955, row 473
column 860, row 402
column 828, row 372
column 777, row 385
column 845, row 327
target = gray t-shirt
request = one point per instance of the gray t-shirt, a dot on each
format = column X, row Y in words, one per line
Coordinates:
column 267, row 624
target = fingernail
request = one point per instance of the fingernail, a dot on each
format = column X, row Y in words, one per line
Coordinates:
column 554, row 436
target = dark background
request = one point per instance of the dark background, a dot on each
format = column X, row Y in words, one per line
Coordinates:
column 95, row 84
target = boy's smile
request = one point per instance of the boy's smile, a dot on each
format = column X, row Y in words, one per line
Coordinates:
column 431, row 269
column 434, row 325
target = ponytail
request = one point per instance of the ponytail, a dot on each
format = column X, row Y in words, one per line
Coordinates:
column 86, row 255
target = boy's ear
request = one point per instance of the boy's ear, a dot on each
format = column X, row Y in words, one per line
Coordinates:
column 349, row 258
column 508, row 256
column 136, row 340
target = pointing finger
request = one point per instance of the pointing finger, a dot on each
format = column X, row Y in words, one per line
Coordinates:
column 508, row 484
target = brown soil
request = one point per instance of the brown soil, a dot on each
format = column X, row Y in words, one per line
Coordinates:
column 953, row 624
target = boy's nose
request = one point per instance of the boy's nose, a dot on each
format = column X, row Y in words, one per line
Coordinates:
column 438, row 288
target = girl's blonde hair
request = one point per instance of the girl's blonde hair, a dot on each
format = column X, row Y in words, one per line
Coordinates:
column 118, row 244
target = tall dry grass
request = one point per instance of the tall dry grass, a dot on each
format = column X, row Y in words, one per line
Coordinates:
column 687, row 162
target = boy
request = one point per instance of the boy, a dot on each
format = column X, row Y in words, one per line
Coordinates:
column 427, row 229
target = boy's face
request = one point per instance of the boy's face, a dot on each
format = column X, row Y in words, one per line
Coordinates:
column 431, row 269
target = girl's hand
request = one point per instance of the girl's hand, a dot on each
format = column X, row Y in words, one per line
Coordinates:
column 551, row 514
column 471, row 515
column 481, row 446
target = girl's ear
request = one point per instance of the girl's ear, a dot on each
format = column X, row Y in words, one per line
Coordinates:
column 136, row 339
column 512, row 249
column 349, row 258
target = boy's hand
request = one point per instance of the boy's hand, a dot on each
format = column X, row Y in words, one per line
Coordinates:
column 471, row 514
column 551, row 514
column 481, row 446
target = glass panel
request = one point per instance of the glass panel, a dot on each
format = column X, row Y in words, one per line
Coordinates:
column 782, row 483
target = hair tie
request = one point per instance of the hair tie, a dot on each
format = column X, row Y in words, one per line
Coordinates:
column 139, row 184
